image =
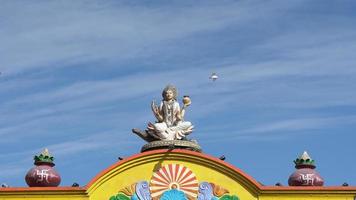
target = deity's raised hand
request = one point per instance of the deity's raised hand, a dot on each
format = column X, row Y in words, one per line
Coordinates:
column 154, row 107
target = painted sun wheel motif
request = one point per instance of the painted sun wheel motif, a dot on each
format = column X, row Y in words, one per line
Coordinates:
column 174, row 176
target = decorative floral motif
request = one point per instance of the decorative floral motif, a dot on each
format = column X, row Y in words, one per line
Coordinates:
column 120, row 196
column 129, row 190
column 229, row 197
column 173, row 194
column 174, row 176
column 205, row 191
column 45, row 156
column 218, row 190
column 174, row 182
column 143, row 191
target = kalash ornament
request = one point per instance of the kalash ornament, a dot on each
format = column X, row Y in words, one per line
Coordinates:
column 305, row 175
column 43, row 174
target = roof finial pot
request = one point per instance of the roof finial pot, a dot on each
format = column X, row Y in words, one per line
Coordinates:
column 305, row 175
column 43, row 174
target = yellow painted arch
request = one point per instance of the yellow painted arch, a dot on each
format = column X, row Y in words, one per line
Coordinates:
column 141, row 167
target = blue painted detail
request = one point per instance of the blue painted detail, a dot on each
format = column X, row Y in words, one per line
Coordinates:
column 205, row 191
column 134, row 197
column 173, row 194
column 143, row 191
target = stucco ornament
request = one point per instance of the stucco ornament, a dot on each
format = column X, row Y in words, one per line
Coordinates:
column 43, row 174
column 174, row 182
column 305, row 175
column 170, row 123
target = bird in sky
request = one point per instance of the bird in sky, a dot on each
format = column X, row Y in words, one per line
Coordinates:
column 213, row 76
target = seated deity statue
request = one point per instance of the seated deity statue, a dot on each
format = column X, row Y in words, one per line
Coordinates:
column 170, row 124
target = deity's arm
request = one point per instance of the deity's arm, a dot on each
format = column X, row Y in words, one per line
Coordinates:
column 186, row 103
column 180, row 112
column 159, row 117
column 157, row 112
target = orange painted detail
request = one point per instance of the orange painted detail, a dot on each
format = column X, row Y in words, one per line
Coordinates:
column 174, row 176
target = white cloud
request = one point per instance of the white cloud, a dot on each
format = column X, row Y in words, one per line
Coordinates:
column 56, row 34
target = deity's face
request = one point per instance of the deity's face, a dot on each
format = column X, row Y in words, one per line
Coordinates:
column 169, row 95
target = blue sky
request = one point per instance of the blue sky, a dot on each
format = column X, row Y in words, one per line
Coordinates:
column 77, row 76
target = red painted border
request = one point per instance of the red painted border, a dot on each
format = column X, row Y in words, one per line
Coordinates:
column 25, row 189
column 308, row 188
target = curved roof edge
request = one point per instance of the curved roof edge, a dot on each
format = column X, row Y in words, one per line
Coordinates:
column 259, row 188
column 234, row 171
